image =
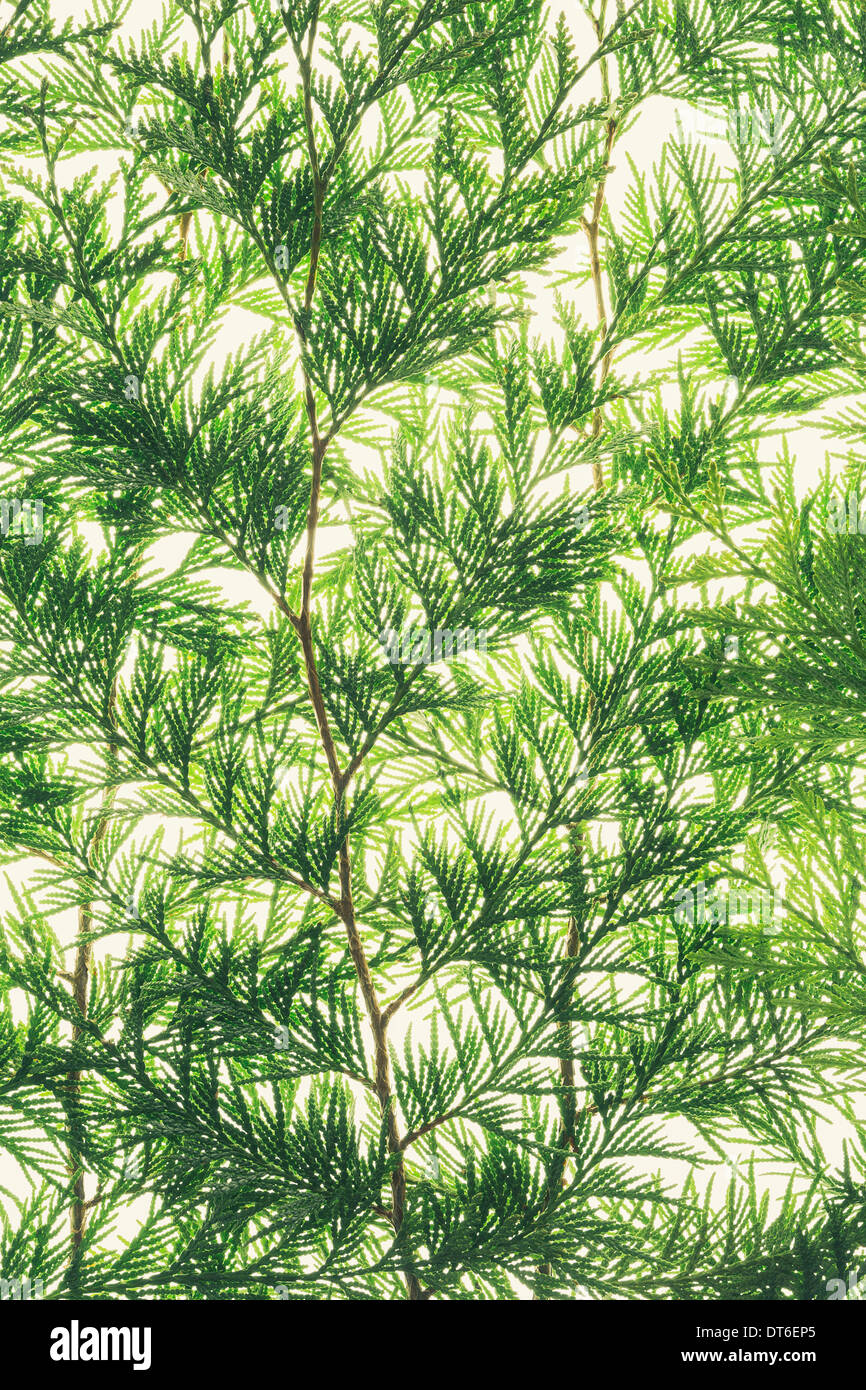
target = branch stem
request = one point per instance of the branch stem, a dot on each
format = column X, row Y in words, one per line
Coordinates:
column 302, row 624
column 80, row 980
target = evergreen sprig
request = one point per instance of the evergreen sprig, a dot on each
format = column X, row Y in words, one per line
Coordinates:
column 363, row 704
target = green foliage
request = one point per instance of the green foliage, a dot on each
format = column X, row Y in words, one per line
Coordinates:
column 375, row 985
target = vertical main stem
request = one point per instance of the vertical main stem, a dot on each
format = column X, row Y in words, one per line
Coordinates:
column 375, row 1014
column 340, row 778
column 591, row 227
column 568, row 1104
column 80, row 980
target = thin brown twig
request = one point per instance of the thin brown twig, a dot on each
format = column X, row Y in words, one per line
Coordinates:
column 592, row 227
column 577, row 831
column 80, row 981
column 302, row 624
